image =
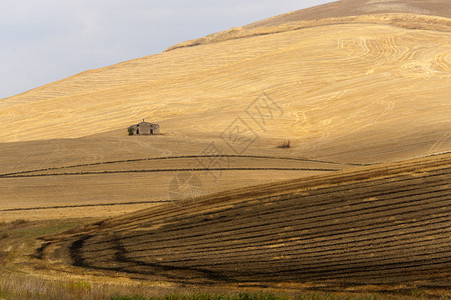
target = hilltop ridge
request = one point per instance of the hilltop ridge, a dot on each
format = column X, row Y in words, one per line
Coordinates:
column 401, row 20
column 411, row 14
column 347, row 8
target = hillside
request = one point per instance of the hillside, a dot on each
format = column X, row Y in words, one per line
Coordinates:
column 383, row 225
column 308, row 151
column 382, row 85
column 347, row 8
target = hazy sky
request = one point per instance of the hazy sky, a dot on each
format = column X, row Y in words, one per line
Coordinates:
column 42, row 41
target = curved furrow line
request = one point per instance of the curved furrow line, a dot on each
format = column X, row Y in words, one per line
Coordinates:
column 319, row 253
column 178, row 157
column 419, row 271
column 172, row 170
column 420, row 240
column 235, row 213
column 274, row 237
column 314, row 233
column 309, row 264
column 377, row 225
column 313, row 215
column 330, row 227
column 296, row 241
column 310, row 204
column 369, row 268
column 149, row 225
column 239, row 242
column 86, row 205
column 178, row 215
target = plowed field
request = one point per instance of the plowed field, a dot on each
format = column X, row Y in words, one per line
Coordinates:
column 385, row 224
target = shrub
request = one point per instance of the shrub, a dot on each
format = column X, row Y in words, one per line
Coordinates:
column 285, row 144
column 131, row 130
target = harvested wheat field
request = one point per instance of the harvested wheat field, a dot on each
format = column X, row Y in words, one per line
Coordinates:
column 305, row 152
column 133, row 184
column 105, row 177
column 326, row 87
column 384, row 225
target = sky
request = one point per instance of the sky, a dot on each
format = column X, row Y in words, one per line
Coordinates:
column 42, row 41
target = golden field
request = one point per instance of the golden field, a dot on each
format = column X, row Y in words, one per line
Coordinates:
column 344, row 93
column 334, row 84
column 358, row 202
column 380, row 225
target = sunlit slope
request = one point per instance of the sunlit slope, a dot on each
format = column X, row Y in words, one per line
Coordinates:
column 386, row 224
column 346, row 8
column 286, row 22
column 385, row 87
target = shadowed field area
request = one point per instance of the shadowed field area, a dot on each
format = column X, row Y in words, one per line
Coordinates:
column 381, row 225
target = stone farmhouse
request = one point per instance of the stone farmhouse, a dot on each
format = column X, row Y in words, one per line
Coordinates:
column 144, row 128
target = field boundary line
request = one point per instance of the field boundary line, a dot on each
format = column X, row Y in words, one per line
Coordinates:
column 167, row 170
column 83, row 205
column 181, row 157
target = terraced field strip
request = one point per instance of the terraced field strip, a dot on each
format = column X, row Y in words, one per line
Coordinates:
column 363, row 227
column 83, row 205
column 196, row 158
column 174, row 170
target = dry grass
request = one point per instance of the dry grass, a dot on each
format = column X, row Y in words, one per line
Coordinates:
column 18, row 251
column 15, row 286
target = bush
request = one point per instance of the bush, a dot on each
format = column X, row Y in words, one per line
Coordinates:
column 285, row 144
column 131, row 130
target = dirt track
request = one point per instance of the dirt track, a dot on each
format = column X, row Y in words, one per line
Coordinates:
column 378, row 225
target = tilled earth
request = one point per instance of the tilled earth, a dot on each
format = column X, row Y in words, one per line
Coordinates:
column 375, row 225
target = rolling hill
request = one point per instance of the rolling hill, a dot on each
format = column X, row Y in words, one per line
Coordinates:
column 348, row 8
column 359, row 89
column 365, row 80
column 343, row 88
column 381, row 225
